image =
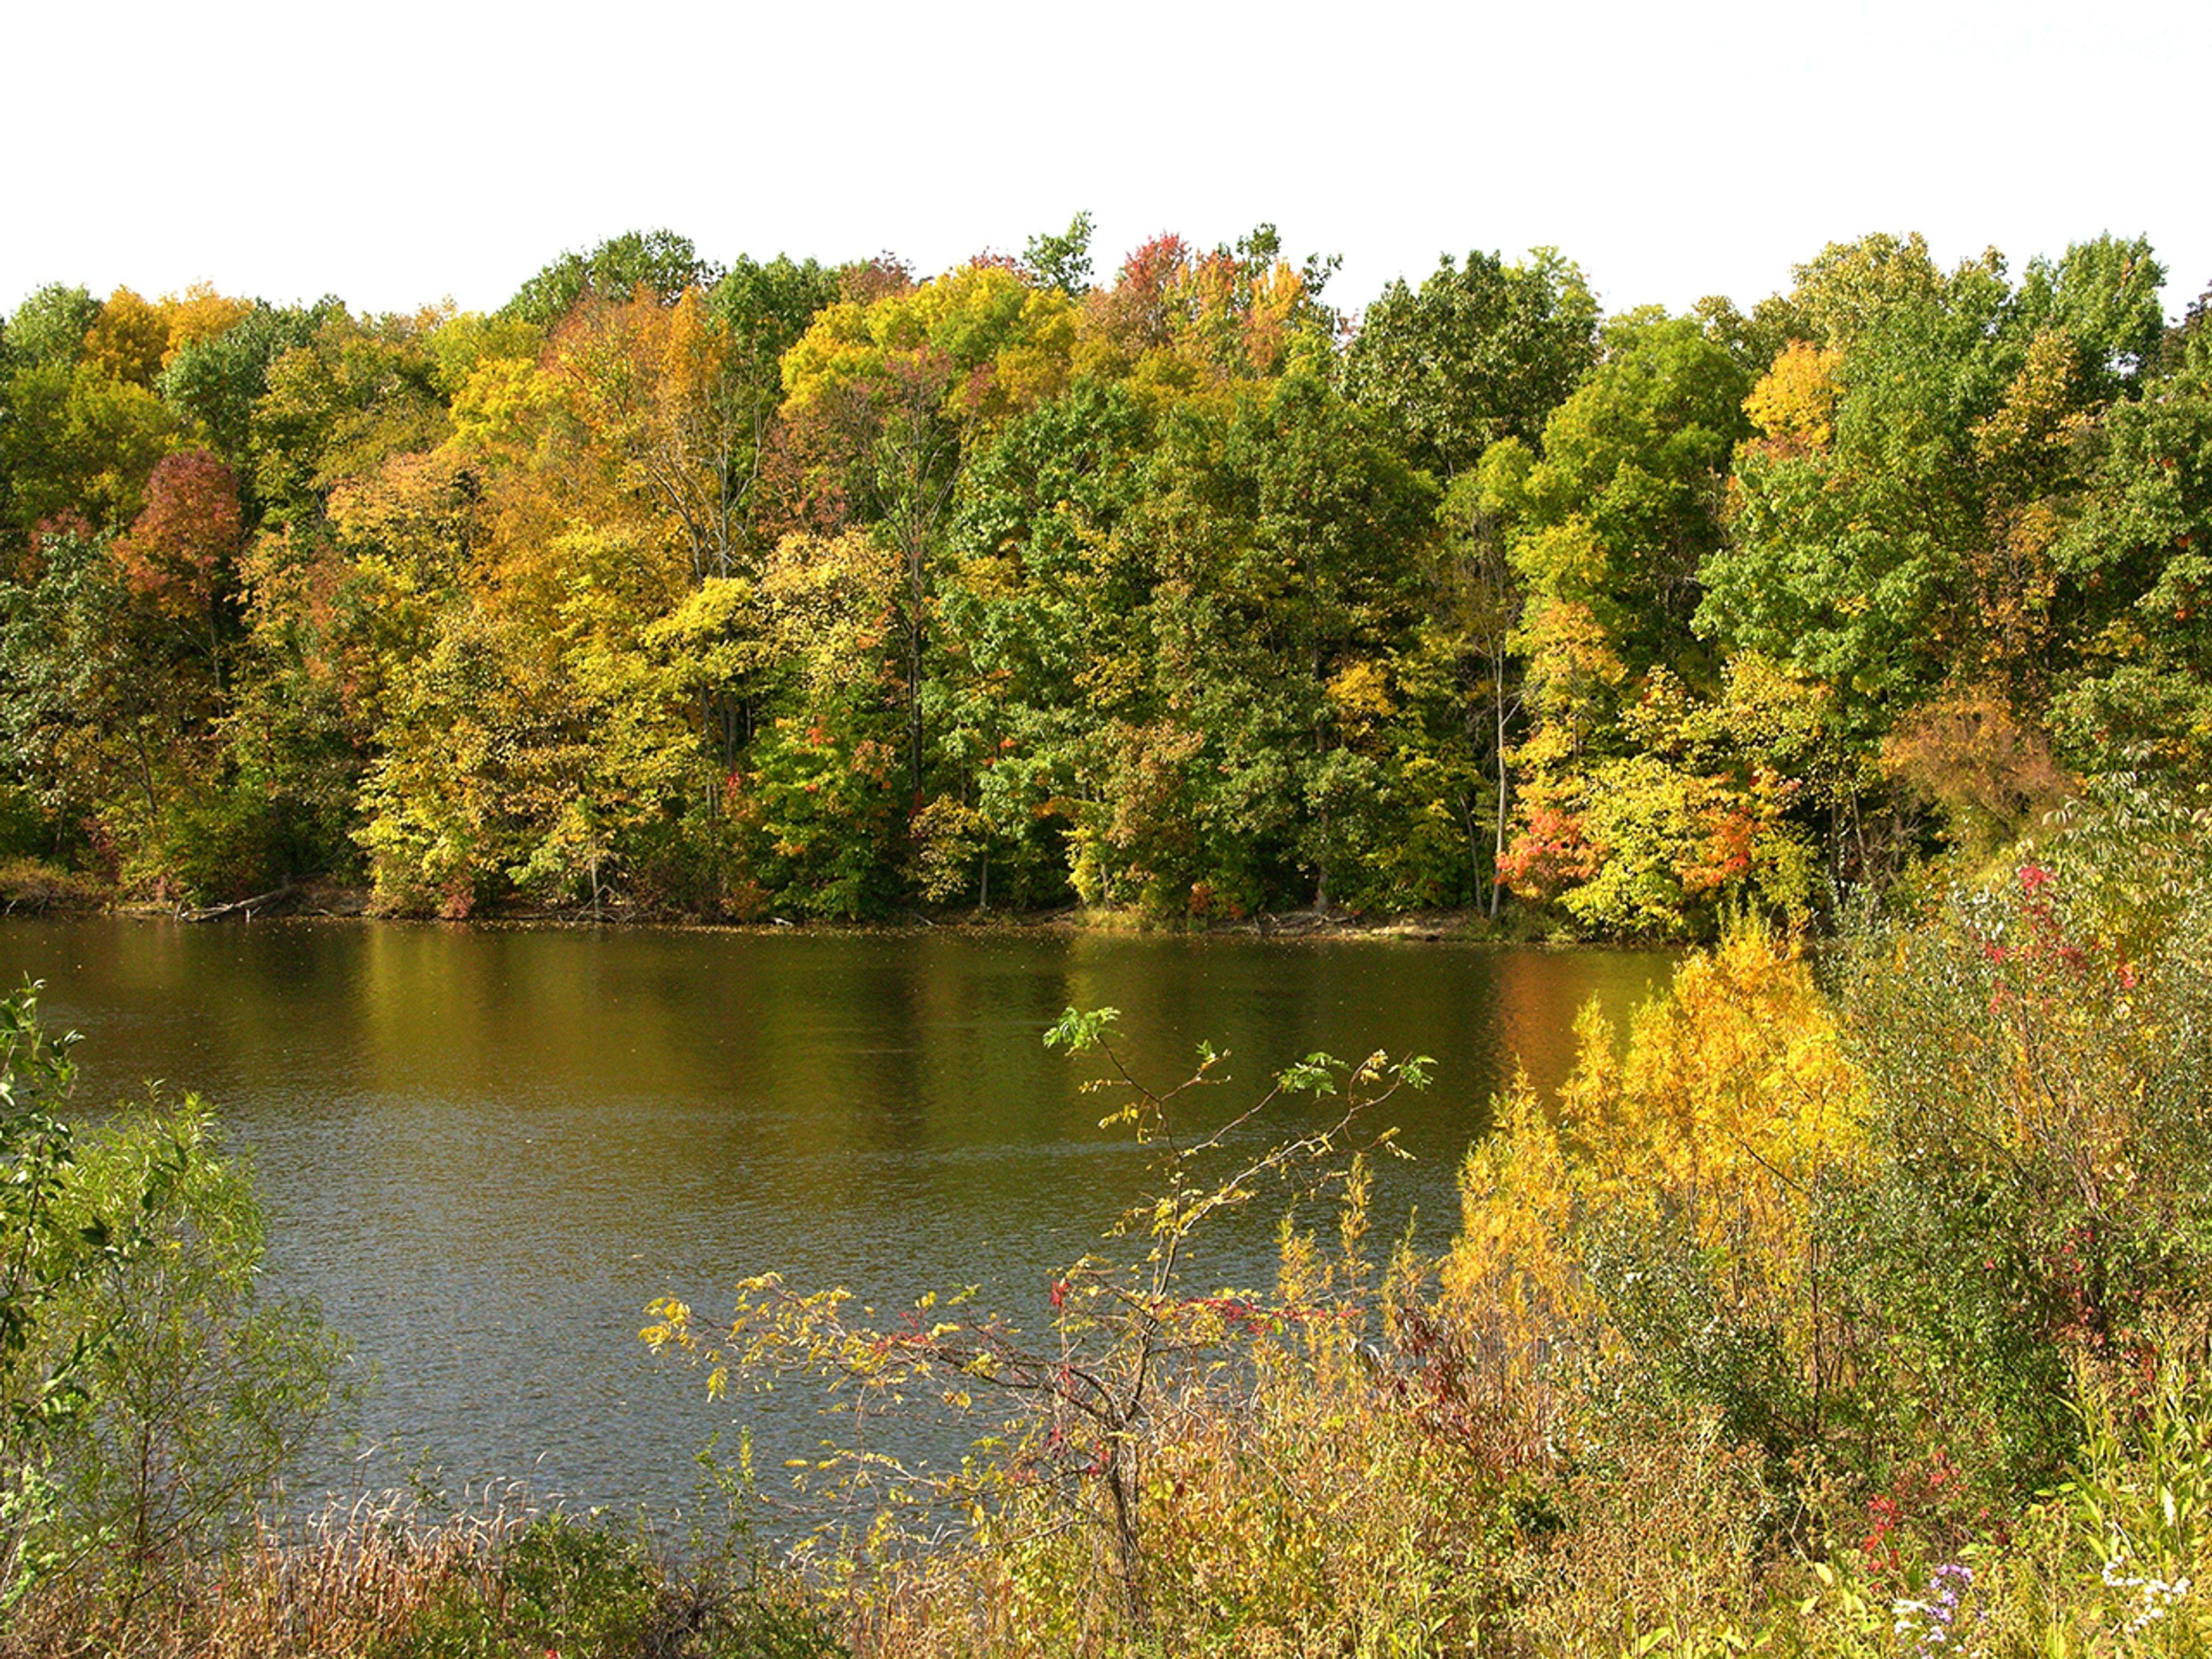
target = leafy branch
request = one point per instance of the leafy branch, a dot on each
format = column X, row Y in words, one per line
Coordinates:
column 1077, row 1406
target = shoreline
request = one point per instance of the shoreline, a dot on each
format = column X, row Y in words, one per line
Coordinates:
column 313, row 901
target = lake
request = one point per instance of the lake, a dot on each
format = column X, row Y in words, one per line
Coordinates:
column 487, row 1150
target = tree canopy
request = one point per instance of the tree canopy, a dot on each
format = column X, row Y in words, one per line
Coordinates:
column 755, row 587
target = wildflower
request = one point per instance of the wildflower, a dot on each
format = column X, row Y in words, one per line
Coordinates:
column 1933, row 1622
column 2157, row 1596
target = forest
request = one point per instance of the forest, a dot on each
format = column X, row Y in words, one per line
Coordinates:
column 684, row 590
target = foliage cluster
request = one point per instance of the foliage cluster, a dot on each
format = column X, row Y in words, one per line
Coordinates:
column 719, row 591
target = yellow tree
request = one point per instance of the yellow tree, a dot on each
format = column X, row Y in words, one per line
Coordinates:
column 129, row 341
column 658, row 390
column 1673, row 1212
column 887, row 397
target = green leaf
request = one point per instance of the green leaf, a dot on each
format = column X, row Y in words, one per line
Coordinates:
column 1079, row 1031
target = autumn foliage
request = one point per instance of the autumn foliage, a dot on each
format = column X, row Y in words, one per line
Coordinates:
column 175, row 555
column 1177, row 591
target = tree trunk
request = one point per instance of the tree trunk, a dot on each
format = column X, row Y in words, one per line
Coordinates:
column 1498, row 851
column 916, row 629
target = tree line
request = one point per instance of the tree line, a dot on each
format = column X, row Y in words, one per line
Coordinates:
column 788, row 588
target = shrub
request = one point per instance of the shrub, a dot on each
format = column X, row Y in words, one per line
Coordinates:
column 29, row 885
column 2039, row 1047
column 41, row 1260
column 153, row 1394
column 1917, row 1238
column 199, row 1387
column 1672, row 1215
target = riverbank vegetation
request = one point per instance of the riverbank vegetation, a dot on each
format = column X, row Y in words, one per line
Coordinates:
column 784, row 589
column 1845, row 1304
column 1852, row 1311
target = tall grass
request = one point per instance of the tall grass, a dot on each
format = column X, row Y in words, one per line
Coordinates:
column 1851, row 1313
column 390, row 1578
column 340, row 1584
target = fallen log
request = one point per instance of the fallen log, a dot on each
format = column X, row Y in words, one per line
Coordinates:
column 248, row 905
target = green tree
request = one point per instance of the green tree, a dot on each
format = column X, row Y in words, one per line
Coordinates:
column 214, row 382
column 1632, row 467
column 1900, row 548
column 887, row 399
column 1044, row 624
column 201, row 1387
column 1063, row 261
column 1343, row 518
column 1608, row 532
column 818, row 804
column 659, row 260
column 1281, row 535
column 107, row 711
column 77, row 445
column 1475, row 603
column 149, row 1394
column 357, row 391
column 49, row 327
column 41, row 1260
column 1480, row 352
column 2139, row 558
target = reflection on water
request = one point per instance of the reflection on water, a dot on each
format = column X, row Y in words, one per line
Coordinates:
column 490, row 1150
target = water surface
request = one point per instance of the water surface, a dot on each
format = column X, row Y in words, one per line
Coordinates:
column 488, row 1149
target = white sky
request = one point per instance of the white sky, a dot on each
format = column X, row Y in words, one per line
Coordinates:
column 397, row 153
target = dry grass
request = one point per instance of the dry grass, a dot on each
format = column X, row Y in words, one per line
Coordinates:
column 330, row 1588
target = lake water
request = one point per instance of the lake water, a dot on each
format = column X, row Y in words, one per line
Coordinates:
column 487, row 1150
